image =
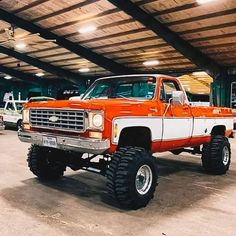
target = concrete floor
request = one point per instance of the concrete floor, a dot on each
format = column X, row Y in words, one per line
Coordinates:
column 187, row 201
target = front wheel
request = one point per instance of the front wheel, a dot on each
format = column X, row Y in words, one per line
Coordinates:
column 46, row 163
column 132, row 177
column 216, row 156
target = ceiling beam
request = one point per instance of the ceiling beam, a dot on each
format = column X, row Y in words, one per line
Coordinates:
column 29, row 78
column 66, row 74
column 173, row 39
column 76, row 48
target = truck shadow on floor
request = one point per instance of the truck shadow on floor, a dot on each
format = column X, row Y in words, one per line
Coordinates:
column 182, row 184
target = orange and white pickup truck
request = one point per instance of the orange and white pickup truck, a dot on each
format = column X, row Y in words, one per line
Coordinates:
column 124, row 120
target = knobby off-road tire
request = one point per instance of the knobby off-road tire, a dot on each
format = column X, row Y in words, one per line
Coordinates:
column 132, row 177
column 216, row 156
column 46, row 163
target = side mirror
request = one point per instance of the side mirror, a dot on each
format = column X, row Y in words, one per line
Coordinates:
column 178, row 97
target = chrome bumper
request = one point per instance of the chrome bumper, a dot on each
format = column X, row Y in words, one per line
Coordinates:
column 76, row 144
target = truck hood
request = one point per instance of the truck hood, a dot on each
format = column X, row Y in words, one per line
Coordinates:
column 95, row 104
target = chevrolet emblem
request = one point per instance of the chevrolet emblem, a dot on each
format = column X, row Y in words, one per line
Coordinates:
column 53, row 119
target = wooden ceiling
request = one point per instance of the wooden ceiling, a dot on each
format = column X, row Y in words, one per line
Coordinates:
column 209, row 27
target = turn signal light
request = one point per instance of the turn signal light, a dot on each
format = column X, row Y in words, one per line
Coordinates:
column 116, row 130
column 96, row 135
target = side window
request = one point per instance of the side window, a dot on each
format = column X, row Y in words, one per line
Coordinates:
column 167, row 88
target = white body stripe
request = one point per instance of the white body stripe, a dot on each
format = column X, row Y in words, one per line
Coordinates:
column 174, row 128
column 203, row 126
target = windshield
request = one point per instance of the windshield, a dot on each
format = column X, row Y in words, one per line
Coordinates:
column 141, row 88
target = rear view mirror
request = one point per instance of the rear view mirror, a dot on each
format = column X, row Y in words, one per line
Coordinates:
column 178, row 97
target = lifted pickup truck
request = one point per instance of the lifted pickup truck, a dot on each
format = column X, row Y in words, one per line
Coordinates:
column 125, row 119
column 12, row 113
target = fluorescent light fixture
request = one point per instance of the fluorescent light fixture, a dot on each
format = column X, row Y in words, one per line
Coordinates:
column 204, row 1
column 84, row 70
column 20, row 45
column 7, row 77
column 199, row 73
column 151, row 63
column 87, row 29
column 40, row 74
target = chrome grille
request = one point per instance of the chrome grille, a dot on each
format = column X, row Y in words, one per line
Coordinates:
column 57, row 119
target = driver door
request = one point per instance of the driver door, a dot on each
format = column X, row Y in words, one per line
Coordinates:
column 177, row 119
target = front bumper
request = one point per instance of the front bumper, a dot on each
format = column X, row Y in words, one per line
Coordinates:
column 76, row 144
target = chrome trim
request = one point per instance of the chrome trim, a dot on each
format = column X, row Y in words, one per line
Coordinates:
column 76, row 144
column 72, row 120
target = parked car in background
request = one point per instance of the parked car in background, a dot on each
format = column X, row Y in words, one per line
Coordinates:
column 2, row 126
column 12, row 113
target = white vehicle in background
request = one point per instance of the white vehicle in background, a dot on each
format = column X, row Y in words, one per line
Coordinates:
column 12, row 113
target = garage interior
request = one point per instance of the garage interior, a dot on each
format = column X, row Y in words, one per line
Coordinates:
column 57, row 49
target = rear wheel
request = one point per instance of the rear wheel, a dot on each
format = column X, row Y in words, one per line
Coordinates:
column 46, row 163
column 216, row 156
column 132, row 177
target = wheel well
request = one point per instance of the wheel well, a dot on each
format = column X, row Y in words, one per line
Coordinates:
column 18, row 121
column 135, row 136
column 218, row 130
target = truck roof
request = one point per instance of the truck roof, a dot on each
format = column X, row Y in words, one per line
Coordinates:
column 136, row 75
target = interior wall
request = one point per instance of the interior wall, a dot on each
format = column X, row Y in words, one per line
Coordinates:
column 47, row 89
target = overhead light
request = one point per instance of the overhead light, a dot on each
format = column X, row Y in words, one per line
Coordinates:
column 20, row 45
column 204, row 1
column 7, row 77
column 84, row 70
column 87, row 29
column 151, row 63
column 40, row 74
column 199, row 73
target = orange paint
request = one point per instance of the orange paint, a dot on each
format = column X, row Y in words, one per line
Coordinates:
column 121, row 107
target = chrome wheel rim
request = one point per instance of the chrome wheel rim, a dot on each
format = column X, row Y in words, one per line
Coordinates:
column 143, row 179
column 225, row 155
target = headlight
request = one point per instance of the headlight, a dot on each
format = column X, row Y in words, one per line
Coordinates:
column 95, row 120
column 25, row 116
